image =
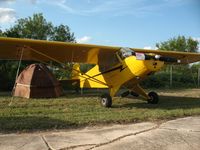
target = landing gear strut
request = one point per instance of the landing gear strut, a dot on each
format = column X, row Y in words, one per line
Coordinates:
column 154, row 98
column 106, row 100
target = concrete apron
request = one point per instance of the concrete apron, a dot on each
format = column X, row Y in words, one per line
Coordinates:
column 179, row 134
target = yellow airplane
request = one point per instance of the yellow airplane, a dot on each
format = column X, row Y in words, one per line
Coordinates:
column 115, row 66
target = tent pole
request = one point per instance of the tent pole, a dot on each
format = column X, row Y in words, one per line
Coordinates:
column 19, row 64
column 17, row 73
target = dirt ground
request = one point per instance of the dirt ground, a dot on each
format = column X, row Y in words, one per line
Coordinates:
column 183, row 92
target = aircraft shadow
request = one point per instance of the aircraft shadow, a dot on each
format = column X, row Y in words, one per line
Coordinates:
column 166, row 102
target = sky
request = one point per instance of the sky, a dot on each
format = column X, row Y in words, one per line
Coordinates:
column 125, row 23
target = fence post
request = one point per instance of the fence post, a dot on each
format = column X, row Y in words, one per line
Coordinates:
column 199, row 77
column 171, row 75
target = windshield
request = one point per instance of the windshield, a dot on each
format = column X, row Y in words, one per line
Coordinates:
column 125, row 52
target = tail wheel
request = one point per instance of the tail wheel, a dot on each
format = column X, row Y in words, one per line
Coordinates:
column 154, row 98
column 106, row 100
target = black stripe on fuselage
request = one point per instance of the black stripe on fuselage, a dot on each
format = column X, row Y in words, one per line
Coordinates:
column 111, row 70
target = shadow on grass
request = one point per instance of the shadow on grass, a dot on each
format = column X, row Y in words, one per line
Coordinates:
column 29, row 124
column 166, row 102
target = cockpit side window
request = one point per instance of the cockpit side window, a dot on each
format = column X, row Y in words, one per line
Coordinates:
column 125, row 52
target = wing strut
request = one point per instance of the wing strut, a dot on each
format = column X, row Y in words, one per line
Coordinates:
column 139, row 90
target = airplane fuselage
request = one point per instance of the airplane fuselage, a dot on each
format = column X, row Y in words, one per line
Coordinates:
column 128, row 69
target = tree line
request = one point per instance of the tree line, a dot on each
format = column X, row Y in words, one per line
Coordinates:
column 37, row 27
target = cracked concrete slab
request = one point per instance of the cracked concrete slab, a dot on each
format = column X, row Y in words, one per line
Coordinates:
column 177, row 134
column 182, row 134
column 22, row 142
column 159, row 139
column 94, row 136
column 188, row 124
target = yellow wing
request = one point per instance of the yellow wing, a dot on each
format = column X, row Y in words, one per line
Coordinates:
column 184, row 57
column 11, row 49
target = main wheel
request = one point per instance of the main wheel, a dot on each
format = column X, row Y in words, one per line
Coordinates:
column 106, row 100
column 154, row 98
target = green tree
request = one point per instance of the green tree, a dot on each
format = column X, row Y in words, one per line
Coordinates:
column 179, row 43
column 62, row 33
column 35, row 27
column 1, row 33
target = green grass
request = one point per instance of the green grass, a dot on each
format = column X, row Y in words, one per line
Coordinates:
column 18, row 114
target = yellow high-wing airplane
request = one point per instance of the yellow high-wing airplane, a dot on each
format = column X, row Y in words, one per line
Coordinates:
column 115, row 66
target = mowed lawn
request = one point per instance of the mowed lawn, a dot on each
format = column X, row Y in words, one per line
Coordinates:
column 72, row 111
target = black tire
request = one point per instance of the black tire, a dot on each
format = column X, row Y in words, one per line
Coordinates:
column 106, row 100
column 154, row 98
